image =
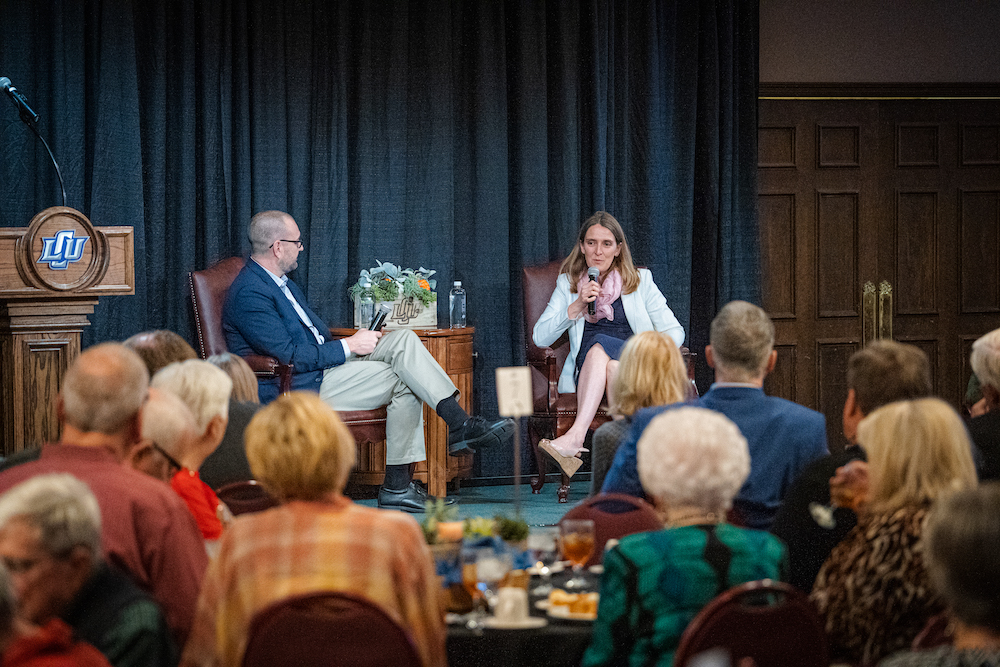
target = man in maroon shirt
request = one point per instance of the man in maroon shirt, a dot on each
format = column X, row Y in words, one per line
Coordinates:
column 146, row 529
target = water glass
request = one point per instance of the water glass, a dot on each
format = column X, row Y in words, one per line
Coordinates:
column 543, row 545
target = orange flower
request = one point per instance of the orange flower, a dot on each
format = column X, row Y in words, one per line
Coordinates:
column 423, row 283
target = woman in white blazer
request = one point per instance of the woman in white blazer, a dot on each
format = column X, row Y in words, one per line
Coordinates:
column 599, row 270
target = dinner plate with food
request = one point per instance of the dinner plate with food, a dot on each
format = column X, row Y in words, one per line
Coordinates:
column 573, row 606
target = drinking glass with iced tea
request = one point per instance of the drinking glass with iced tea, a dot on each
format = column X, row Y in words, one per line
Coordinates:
column 577, row 541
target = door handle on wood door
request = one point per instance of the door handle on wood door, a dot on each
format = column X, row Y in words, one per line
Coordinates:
column 869, row 314
column 876, row 312
column 885, row 310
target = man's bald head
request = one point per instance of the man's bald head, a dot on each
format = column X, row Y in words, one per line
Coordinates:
column 104, row 389
column 265, row 228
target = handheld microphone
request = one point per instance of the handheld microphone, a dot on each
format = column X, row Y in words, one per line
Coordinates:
column 593, row 273
column 26, row 112
column 379, row 319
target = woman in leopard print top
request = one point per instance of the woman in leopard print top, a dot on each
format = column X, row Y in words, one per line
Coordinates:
column 874, row 589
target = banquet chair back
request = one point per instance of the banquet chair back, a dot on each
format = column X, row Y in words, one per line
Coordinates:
column 615, row 515
column 245, row 497
column 768, row 621
column 328, row 628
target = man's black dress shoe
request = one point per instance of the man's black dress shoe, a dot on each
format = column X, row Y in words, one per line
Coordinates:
column 411, row 499
column 476, row 432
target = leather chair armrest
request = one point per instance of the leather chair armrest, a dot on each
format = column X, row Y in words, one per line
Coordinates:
column 548, row 366
column 552, row 375
column 270, row 367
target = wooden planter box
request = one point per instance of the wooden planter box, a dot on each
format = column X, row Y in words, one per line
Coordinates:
column 406, row 314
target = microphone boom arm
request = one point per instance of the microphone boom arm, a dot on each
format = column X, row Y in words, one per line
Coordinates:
column 30, row 118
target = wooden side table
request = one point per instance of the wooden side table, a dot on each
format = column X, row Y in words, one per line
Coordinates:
column 452, row 348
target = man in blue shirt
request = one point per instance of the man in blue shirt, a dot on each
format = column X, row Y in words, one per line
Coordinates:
column 783, row 436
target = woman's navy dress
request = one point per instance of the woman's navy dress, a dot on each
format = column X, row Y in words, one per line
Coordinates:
column 609, row 335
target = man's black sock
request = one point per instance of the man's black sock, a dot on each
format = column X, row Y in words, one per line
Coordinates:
column 451, row 412
column 397, row 477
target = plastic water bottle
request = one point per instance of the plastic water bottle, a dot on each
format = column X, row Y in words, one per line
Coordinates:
column 456, row 305
column 366, row 305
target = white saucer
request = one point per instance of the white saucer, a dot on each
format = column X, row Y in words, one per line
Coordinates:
column 529, row 623
column 563, row 613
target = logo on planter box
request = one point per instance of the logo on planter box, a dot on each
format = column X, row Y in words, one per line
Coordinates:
column 59, row 250
column 405, row 310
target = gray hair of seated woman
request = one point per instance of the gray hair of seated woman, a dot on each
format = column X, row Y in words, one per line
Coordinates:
column 693, row 457
column 962, row 548
column 63, row 509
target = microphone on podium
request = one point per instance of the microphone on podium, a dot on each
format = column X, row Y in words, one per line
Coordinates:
column 593, row 273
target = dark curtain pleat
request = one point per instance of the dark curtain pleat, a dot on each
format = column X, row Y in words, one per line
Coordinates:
column 470, row 138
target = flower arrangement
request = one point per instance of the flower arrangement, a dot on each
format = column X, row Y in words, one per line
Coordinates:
column 388, row 281
column 475, row 528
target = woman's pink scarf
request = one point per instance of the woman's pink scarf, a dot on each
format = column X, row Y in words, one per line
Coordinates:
column 611, row 289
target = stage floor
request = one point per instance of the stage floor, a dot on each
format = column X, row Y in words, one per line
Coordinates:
column 487, row 501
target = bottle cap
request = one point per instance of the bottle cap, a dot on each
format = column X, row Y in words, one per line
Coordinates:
column 457, row 283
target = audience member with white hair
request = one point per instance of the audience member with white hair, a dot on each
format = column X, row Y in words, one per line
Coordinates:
column 205, row 389
column 146, row 529
column 228, row 463
column 691, row 462
column 50, row 539
column 52, row 645
column 167, row 425
column 985, row 428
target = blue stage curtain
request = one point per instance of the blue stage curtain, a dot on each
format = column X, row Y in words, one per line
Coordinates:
column 467, row 137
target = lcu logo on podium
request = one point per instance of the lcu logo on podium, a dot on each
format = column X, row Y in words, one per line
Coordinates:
column 59, row 250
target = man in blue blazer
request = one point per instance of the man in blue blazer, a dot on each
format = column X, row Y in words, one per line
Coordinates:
column 783, row 436
column 266, row 313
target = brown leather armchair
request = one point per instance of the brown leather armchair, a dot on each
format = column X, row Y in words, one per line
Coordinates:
column 554, row 413
column 208, row 294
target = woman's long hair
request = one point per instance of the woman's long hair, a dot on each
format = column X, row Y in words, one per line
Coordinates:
column 917, row 451
column 576, row 264
column 651, row 372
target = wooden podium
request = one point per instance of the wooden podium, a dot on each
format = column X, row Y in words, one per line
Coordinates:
column 51, row 274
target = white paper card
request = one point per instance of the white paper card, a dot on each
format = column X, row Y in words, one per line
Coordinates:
column 514, row 391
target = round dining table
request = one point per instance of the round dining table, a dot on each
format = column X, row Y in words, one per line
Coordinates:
column 560, row 643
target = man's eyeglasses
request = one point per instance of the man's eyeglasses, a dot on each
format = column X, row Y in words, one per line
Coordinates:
column 171, row 461
column 297, row 242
